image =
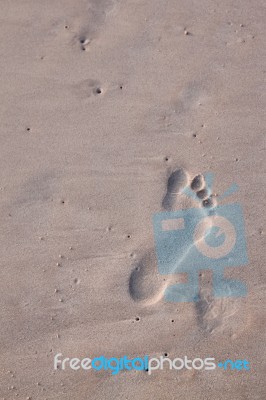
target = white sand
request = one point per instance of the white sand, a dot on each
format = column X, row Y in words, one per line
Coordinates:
column 84, row 170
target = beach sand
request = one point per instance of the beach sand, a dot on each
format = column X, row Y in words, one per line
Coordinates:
column 108, row 109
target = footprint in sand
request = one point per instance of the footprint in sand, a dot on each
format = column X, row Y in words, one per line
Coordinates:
column 215, row 314
column 176, row 182
column 146, row 284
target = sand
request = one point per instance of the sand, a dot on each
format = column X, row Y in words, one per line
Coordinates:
column 108, row 109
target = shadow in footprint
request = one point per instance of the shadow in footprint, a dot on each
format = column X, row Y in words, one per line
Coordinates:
column 204, row 319
column 214, row 313
column 145, row 281
column 176, row 182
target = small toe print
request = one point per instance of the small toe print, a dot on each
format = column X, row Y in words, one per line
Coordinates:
column 197, row 183
column 208, row 202
column 202, row 194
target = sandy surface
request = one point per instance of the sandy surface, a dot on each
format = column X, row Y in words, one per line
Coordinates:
column 101, row 101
